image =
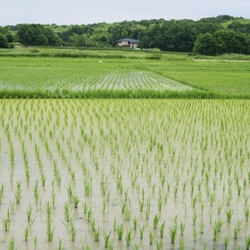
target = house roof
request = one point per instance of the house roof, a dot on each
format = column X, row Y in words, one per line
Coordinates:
column 128, row 40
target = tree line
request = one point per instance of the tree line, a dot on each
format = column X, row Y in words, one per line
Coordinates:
column 208, row 36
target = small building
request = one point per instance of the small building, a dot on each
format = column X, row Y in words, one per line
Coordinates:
column 128, row 43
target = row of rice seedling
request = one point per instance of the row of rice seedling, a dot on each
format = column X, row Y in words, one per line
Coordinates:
column 112, row 174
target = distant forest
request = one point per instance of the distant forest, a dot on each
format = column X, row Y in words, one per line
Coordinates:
column 207, row 36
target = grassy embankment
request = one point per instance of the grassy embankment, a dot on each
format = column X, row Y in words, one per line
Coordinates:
column 73, row 73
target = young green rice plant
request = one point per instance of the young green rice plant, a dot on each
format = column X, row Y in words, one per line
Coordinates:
column 70, row 192
column 156, row 220
column 147, row 212
column 220, row 206
column 247, row 242
column 36, row 192
column 229, row 215
column 120, row 231
column 194, row 218
column 127, row 213
column 128, row 238
column 29, row 212
column 1, row 193
column 237, row 229
column 26, row 233
column 60, row 244
column 35, row 242
column 160, row 204
column 18, row 193
column 246, row 198
column 6, row 224
column 201, row 226
column 92, row 224
column 76, row 200
column 141, row 204
column 72, row 230
column 88, row 186
column 135, row 223
column 246, row 213
column 182, row 228
column 141, row 229
column 151, row 238
column 226, row 242
column 85, row 208
column 194, row 234
column 172, row 234
column 12, row 243
column 43, row 179
column 50, row 230
column 123, row 207
column 66, row 212
column 106, row 237
column 218, row 225
column 53, row 198
column 215, row 233
column 162, row 228
column 159, row 245
column 182, row 244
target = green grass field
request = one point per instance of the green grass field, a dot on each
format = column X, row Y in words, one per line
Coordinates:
column 127, row 74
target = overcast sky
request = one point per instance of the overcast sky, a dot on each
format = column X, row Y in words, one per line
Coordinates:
column 94, row 11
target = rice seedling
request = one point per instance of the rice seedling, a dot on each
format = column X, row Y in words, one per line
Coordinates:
column 106, row 237
column 151, row 238
column 72, row 230
column 135, row 223
column 156, row 220
column 182, row 228
column 194, row 234
column 6, row 224
column 128, row 238
column 247, row 242
column 36, row 193
column 172, row 234
column 141, row 229
column 76, row 200
column 229, row 215
column 162, row 229
column 18, row 193
column 182, row 244
column 60, row 244
column 246, row 213
column 120, row 231
column 50, row 230
column 12, row 243
column 237, row 229
column 26, row 233
column 1, row 193
column 29, row 213
column 226, row 242
column 159, row 245
column 35, row 242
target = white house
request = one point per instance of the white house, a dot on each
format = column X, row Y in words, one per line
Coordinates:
column 128, row 43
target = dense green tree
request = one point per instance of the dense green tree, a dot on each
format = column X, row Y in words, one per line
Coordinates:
column 3, row 41
column 228, row 41
column 205, row 44
column 222, row 41
column 37, row 34
column 239, row 26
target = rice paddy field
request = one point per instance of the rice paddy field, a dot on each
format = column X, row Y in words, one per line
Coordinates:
column 124, row 173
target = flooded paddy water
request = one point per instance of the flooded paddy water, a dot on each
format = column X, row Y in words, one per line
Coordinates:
column 124, row 174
